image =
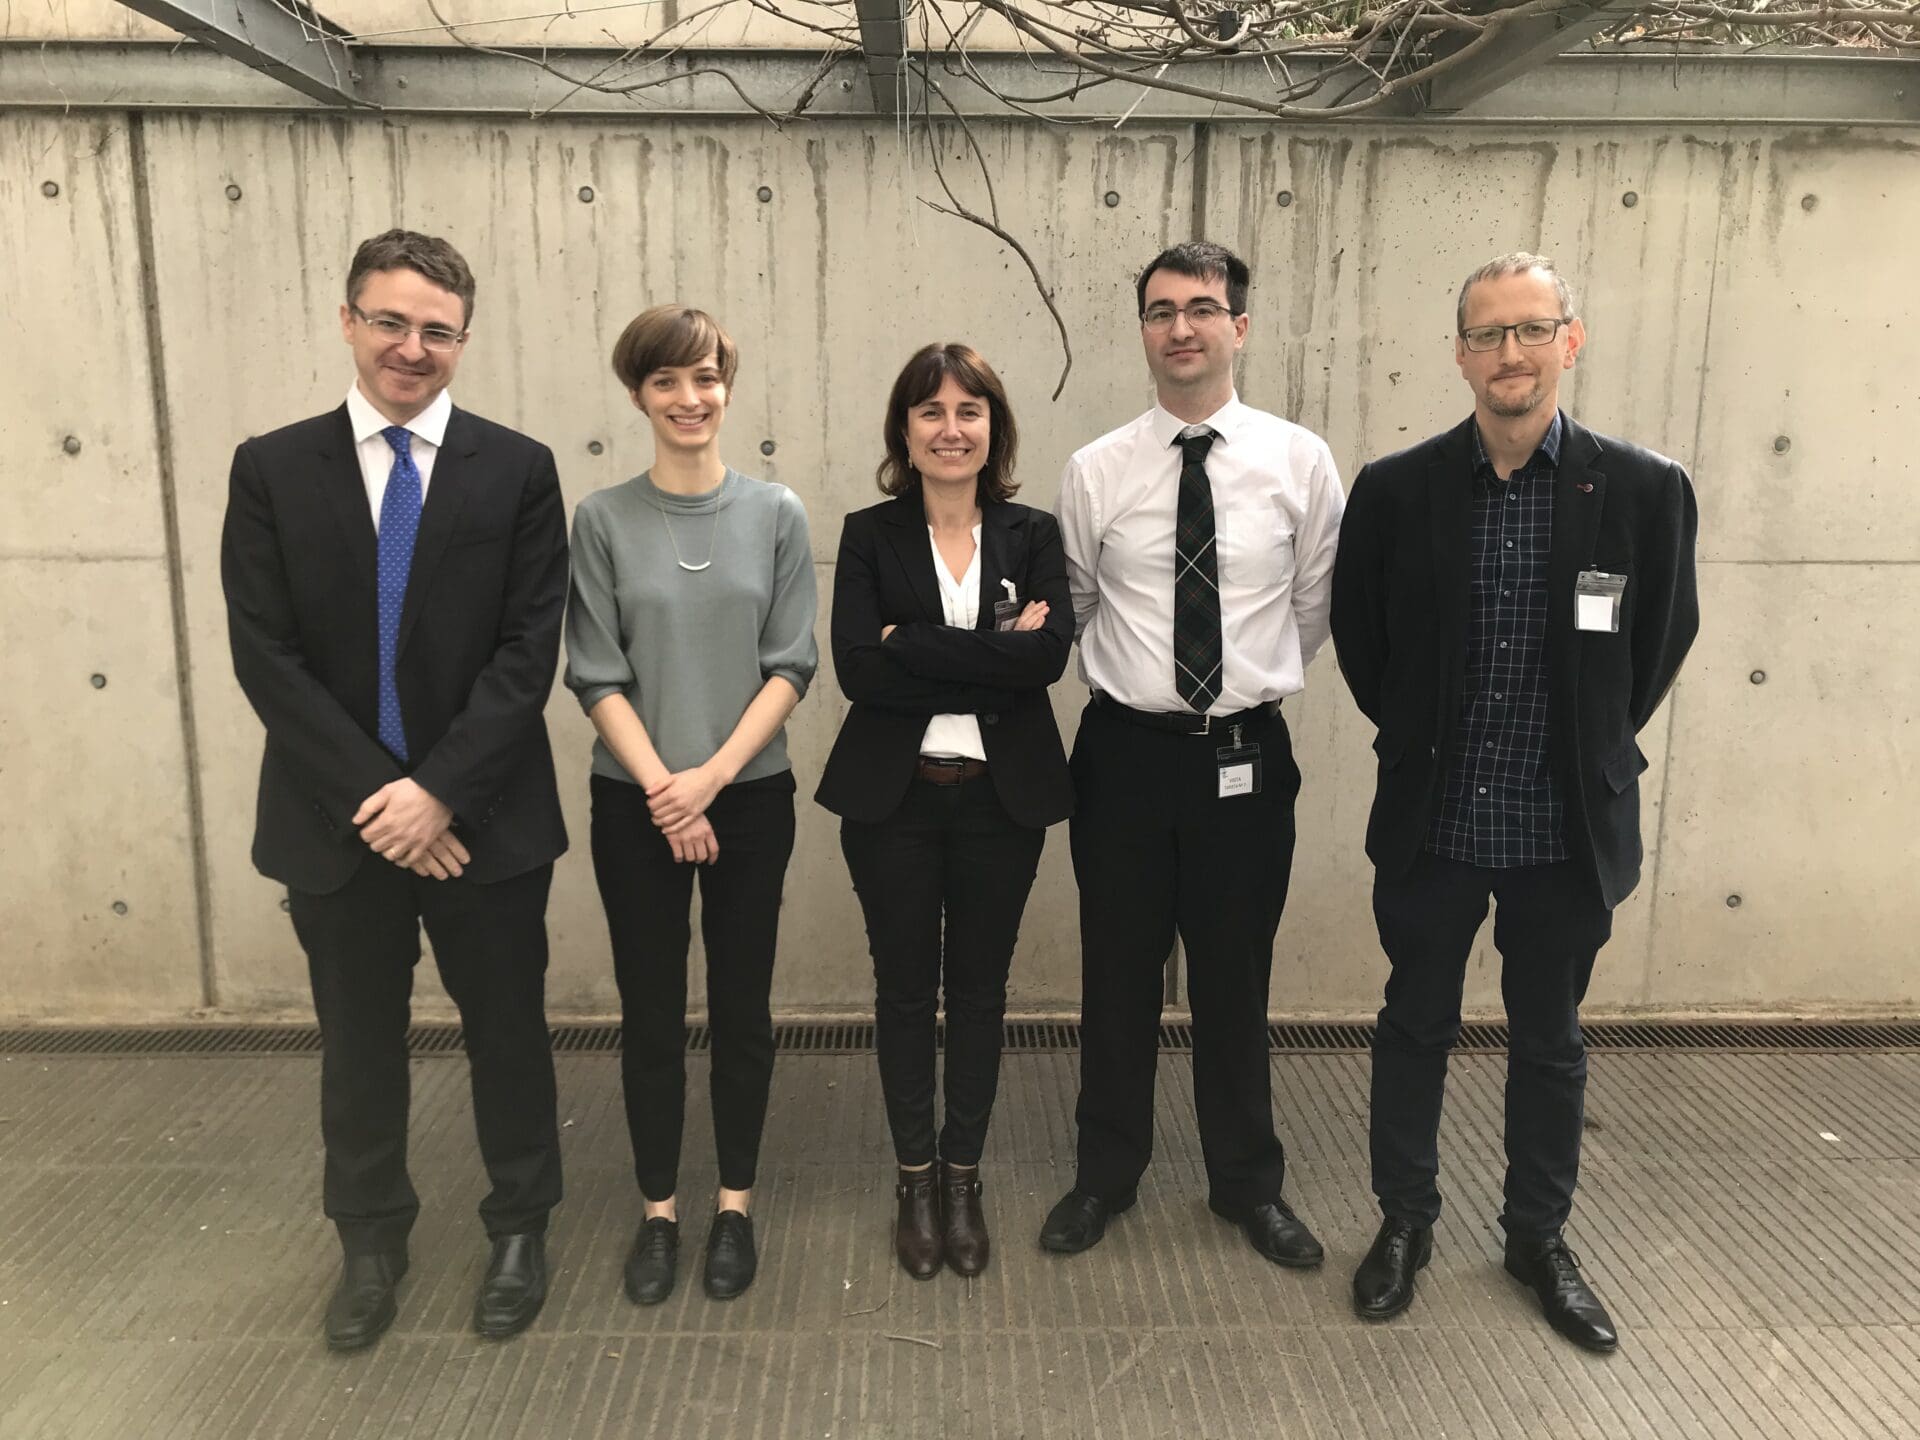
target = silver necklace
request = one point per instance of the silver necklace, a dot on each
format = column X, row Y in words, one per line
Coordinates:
column 713, row 535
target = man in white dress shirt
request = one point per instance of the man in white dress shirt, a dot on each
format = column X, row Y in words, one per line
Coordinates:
column 1200, row 542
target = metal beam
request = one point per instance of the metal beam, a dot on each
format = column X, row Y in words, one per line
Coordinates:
column 1820, row 88
column 883, row 40
column 1520, row 46
column 285, row 39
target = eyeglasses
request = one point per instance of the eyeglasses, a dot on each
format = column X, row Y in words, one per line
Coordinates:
column 395, row 331
column 1482, row 338
column 1198, row 313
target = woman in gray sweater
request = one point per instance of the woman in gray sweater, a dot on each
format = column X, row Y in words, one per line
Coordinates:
column 689, row 642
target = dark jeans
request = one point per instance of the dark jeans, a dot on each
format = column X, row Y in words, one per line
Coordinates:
column 647, row 895
column 952, row 851
column 1549, row 925
column 1156, row 849
column 490, row 943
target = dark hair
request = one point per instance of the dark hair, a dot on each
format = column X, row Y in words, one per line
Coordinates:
column 919, row 381
column 427, row 255
column 1203, row 260
column 672, row 335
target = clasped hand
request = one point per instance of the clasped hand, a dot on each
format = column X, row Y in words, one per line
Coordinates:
column 679, row 804
column 403, row 824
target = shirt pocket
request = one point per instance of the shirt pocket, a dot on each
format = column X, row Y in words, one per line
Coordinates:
column 1255, row 543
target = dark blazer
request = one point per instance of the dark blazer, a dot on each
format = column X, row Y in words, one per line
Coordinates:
column 926, row 667
column 479, row 644
column 1401, row 600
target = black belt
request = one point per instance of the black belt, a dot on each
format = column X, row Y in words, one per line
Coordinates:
column 1185, row 722
column 948, row 770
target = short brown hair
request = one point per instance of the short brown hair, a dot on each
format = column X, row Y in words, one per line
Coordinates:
column 427, row 255
column 671, row 335
column 919, row 381
column 1515, row 262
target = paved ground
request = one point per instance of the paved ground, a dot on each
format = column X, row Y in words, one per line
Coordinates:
column 1750, row 1217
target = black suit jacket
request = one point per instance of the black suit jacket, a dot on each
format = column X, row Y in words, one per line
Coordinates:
column 479, row 644
column 926, row 667
column 1401, row 602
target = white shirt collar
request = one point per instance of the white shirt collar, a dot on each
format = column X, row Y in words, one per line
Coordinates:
column 1223, row 422
column 430, row 424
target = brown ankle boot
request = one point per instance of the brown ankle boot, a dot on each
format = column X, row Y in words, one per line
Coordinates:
column 916, row 1237
column 966, row 1225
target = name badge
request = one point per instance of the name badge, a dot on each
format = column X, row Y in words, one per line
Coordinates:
column 1238, row 768
column 1596, row 601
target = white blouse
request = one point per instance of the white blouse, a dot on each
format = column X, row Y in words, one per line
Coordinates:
column 956, row 736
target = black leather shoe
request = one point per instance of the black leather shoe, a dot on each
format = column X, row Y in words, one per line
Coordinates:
column 964, row 1235
column 651, row 1262
column 362, row 1305
column 1078, row 1221
column 731, row 1260
column 1275, row 1231
column 515, row 1287
column 916, row 1233
column 1383, row 1285
column 1570, row 1306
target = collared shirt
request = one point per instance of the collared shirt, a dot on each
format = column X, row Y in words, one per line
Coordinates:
column 1277, row 504
column 1501, row 805
column 956, row 736
column 429, row 430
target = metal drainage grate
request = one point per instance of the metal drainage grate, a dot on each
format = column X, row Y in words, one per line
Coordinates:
column 841, row 1037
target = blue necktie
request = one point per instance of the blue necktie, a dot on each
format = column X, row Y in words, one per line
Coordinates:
column 399, row 523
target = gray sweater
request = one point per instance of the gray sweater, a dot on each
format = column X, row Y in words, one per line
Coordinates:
column 690, row 649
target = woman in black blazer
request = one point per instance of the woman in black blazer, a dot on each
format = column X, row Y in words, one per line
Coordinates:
column 951, row 618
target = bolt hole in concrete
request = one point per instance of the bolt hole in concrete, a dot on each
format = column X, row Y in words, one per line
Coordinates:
column 766, row 194
column 594, row 447
column 71, row 444
column 1285, row 197
column 1781, row 444
column 586, row 194
column 50, row 188
column 119, row 907
column 1733, row 902
column 766, row 447
column 99, row 682
column 1630, row 199
column 1758, row 677
column 1809, row 203
column 1112, row 198
column 233, row 192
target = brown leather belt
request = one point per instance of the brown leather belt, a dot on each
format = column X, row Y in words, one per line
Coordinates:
column 949, row 771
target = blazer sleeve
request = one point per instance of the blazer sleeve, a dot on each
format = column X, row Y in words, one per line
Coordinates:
column 1359, row 611
column 1666, row 614
column 469, row 767
column 340, row 763
column 1014, row 660
column 868, row 675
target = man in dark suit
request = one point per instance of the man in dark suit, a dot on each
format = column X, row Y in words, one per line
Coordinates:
column 395, row 573
column 1510, row 603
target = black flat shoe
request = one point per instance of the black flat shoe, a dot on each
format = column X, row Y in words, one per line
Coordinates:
column 731, row 1260
column 1275, row 1231
column 651, row 1262
column 362, row 1305
column 1079, row 1220
column 916, row 1232
column 1383, row 1285
column 1571, row 1307
column 515, row 1287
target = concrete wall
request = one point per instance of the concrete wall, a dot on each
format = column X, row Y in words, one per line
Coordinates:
column 1754, row 289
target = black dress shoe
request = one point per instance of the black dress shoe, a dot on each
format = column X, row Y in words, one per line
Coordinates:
column 916, row 1233
column 965, row 1230
column 362, row 1305
column 1570, row 1306
column 731, row 1260
column 1275, row 1231
column 650, row 1264
column 1078, row 1221
column 1383, row 1285
column 515, row 1287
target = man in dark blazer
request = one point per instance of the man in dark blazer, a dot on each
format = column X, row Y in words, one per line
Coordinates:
column 1510, row 603
column 395, row 573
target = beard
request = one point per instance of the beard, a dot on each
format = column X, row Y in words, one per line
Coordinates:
column 1513, row 409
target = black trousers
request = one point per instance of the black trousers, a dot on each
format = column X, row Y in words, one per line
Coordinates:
column 952, row 853
column 1549, row 923
column 1155, row 850
column 490, row 943
column 647, row 895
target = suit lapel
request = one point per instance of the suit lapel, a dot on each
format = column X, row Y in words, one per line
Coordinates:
column 1002, row 548
column 1579, row 494
column 1450, row 501
column 452, row 481
column 907, row 533
column 346, row 493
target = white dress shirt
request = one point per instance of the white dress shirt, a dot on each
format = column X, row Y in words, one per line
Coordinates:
column 429, row 430
column 956, row 736
column 1277, row 504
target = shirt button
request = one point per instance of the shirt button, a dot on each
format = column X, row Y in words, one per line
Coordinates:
column 1483, row 789
column 1507, row 593
column 1489, row 744
column 1509, row 544
column 1499, row 695
column 1512, row 498
column 1503, row 644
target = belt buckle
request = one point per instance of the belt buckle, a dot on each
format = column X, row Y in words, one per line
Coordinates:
column 1206, row 725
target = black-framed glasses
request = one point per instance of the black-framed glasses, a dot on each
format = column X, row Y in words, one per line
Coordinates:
column 1198, row 313
column 395, row 331
column 1482, row 338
